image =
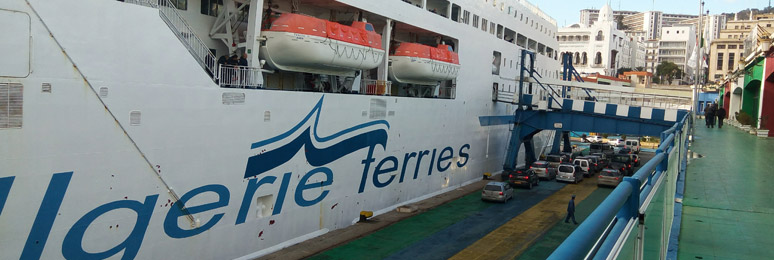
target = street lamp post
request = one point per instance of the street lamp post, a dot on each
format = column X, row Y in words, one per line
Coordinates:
column 697, row 74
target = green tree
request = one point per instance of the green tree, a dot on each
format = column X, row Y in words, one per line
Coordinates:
column 668, row 71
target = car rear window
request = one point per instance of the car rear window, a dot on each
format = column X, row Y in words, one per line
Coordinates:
column 565, row 168
column 621, row 158
column 492, row 188
column 595, row 147
column 553, row 158
column 610, row 173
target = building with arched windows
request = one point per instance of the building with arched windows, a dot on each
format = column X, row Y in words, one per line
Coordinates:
column 600, row 47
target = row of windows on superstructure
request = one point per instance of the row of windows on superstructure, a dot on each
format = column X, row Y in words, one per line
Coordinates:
column 504, row 33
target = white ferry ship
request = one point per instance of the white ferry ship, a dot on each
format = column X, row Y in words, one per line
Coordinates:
column 123, row 134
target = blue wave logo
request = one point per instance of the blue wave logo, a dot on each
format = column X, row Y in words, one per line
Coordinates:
column 315, row 155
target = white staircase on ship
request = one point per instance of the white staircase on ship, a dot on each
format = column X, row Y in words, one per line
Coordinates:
column 227, row 76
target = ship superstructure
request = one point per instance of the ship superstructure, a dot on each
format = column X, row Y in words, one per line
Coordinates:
column 126, row 135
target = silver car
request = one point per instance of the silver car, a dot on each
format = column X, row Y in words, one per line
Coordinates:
column 609, row 177
column 543, row 170
column 569, row 173
column 497, row 191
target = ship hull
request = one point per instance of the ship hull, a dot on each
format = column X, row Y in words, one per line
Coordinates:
column 137, row 153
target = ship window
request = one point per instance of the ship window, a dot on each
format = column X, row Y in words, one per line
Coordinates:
column 484, row 24
column 455, row 15
column 11, row 105
column 492, row 28
column 369, row 27
column 521, row 40
column 466, row 17
column 496, row 58
column 211, row 7
column 499, row 31
column 475, row 20
column 180, row 4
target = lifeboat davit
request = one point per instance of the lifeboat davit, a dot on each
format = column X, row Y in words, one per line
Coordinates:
column 415, row 63
column 303, row 43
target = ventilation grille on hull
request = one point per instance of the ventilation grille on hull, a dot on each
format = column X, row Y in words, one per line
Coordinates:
column 11, row 105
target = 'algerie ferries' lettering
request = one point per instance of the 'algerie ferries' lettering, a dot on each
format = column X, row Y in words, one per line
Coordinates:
column 382, row 174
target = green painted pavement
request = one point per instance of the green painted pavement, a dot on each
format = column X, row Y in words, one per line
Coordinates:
column 556, row 235
column 393, row 238
column 728, row 209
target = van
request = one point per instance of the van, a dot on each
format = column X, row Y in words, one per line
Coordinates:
column 634, row 145
column 601, row 148
column 585, row 165
column 569, row 173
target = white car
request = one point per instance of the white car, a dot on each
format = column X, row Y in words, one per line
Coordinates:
column 594, row 138
column 615, row 141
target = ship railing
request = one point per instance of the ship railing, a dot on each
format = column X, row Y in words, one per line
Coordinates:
column 181, row 28
column 198, row 49
column 635, row 221
column 376, row 87
column 239, row 77
column 631, row 98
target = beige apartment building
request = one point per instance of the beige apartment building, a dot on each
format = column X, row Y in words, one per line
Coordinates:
column 728, row 49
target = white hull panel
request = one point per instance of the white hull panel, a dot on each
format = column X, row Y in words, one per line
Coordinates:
column 133, row 127
column 422, row 71
column 314, row 54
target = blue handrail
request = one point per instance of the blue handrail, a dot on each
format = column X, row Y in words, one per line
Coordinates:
column 599, row 234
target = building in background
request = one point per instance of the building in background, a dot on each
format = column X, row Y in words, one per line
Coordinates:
column 599, row 48
column 590, row 16
column 651, row 55
column 711, row 26
column 676, row 45
column 644, row 25
column 727, row 50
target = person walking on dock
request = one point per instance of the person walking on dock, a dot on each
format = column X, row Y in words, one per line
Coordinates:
column 709, row 116
column 571, row 211
column 721, row 114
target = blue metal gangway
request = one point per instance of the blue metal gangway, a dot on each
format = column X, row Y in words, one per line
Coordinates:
column 618, row 226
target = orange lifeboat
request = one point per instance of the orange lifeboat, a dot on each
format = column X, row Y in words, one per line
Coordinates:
column 296, row 42
column 415, row 63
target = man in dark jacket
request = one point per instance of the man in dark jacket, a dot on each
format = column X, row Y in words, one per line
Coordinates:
column 721, row 114
column 571, row 211
column 709, row 115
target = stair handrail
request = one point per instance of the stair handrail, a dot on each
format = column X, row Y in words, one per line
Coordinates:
column 181, row 28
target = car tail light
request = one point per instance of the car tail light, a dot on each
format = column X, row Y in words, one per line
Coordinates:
column 600, row 176
column 483, row 192
column 510, row 176
column 616, row 178
column 595, row 164
column 501, row 193
column 530, row 167
column 630, row 166
column 526, row 177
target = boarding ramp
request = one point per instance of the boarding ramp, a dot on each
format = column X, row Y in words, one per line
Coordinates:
column 609, row 109
column 635, row 220
column 644, row 201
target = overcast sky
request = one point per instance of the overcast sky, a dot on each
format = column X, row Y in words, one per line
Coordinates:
column 567, row 12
